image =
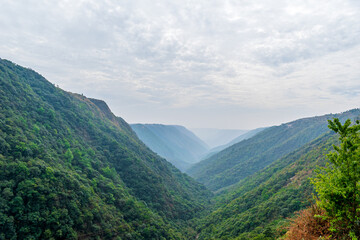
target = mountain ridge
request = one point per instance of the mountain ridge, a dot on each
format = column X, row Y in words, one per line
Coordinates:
column 251, row 155
column 238, row 139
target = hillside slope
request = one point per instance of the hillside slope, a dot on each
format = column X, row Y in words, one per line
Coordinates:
column 257, row 206
column 249, row 156
column 175, row 143
column 238, row 139
column 70, row 169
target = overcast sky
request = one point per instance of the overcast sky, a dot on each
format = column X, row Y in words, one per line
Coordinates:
column 201, row 63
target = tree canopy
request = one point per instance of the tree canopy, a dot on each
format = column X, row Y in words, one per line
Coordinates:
column 338, row 184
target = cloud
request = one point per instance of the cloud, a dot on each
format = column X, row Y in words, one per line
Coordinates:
column 188, row 55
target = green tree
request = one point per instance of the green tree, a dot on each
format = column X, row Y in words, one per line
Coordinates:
column 69, row 156
column 338, row 184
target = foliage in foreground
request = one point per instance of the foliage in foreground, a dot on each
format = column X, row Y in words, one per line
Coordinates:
column 338, row 185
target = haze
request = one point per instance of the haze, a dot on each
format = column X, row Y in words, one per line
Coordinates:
column 210, row 64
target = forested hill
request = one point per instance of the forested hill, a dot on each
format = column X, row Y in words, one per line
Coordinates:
column 258, row 207
column 249, row 156
column 70, row 169
column 175, row 143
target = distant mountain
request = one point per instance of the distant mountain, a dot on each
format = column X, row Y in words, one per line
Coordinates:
column 249, row 156
column 240, row 138
column 217, row 137
column 175, row 143
column 246, row 135
column 70, row 169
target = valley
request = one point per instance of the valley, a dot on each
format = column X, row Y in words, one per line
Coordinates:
column 71, row 169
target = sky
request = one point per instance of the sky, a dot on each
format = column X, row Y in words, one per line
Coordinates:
column 202, row 64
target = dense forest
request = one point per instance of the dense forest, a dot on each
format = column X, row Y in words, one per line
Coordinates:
column 71, row 169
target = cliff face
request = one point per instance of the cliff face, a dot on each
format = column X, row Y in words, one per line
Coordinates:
column 104, row 108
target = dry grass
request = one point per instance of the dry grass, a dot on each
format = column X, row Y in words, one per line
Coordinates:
column 309, row 226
